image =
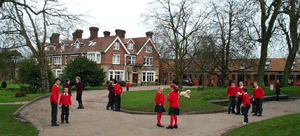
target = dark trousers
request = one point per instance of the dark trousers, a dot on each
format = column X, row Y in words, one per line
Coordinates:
column 245, row 113
column 259, row 109
column 238, row 105
column 110, row 103
column 79, row 99
column 253, row 107
column 127, row 88
column 65, row 113
column 277, row 97
column 231, row 104
column 118, row 102
column 53, row 113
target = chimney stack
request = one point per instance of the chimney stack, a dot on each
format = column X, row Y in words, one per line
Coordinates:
column 94, row 32
column 77, row 34
column 54, row 38
column 106, row 33
column 149, row 34
column 120, row 33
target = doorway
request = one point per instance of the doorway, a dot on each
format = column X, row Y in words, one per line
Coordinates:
column 135, row 78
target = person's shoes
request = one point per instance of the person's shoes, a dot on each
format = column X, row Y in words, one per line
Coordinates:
column 244, row 123
column 259, row 115
column 233, row 112
column 78, row 107
column 159, row 125
column 62, row 122
column 254, row 115
column 169, row 127
column 55, row 124
column 67, row 122
column 237, row 113
column 82, row 107
column 228, row 112
column 175, row 126
column 107, row 108
column 111, row 109
column 252, row 112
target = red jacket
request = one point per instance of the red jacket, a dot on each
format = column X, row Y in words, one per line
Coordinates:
column 173, row 98
column 239, row 89
column 65, row 100
column 246, row 99
column 127, row 84
column 79, row 87
column 231, row 91
column 118, row 89
column 67, row 85
column 258, row 93
column 159, row 99
column 54, row 94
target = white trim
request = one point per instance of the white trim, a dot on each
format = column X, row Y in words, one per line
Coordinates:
column 95, row 56
column 131, row 40
column 146, row 79
column 55, row 72
column 147, row 58
column 123, row 78
column 152, row 46
column 134, row 59
column 113, row 58
column 66, row 59
column 73, row 56
column 59, row 61
column 130, row 44
column 120, row 41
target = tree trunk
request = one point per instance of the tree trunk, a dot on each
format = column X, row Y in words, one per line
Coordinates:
column 44, row 75
column 262, row 63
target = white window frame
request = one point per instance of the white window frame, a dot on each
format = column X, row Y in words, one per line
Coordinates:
column 116, row 46
column 94, row 57
column 46, row 48
column 73, row 56
column 147, row 61
column 146, row 73
column 57, row 72
column 57, row 60
column 148, row 49
column 77, row 45
column 130, row 46
column 130, row 60
column 128, row 74
column 267, row 64
column 113, row 59
column 98, row 60
column 63, row 47
column 113, row 72
column 49, row 60
column 66, row 59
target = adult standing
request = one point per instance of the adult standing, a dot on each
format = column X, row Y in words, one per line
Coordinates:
column 79, row 88
column 231, row 92
column 258, row 94
column 118, row 91
column 53, row 100
column 278, row 88
column 67, row 85
column 3, row 84
column 165, row 81
column 240, row 98
column 111, row 95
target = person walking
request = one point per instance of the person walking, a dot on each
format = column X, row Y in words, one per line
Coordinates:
column 277, row 92
column 258, row 94
column 79, row 88
column 118, row 91
column 111, row 95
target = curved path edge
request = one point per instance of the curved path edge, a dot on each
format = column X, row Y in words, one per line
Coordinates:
column 181, row 113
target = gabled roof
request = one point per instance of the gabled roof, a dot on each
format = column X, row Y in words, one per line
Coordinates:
column 149, row 40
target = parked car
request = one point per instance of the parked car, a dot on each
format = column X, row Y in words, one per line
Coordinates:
column 187, row 82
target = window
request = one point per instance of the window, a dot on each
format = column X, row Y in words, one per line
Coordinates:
column 66, row 59
column 267, row 65
column 131, row 59
column 57, row 72
column 116, row 74
column 46, row 48
column 57, row 60
column 148, row 76
column 293, row 65
column 116, row 59
column 63, row 47
column 272, row 77
column 49, row 60
column 77, row 45
column 54, row 48
column 148, row 61
column 92, row 43
column 73, row 57
column 98, row 57
column 116, row 46
column 91, row 57
column 94, row 57
column 130, row 46
column 148, row 49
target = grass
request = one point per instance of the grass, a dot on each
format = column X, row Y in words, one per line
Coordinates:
column 11, row 126
column 9, row 96
column 287, row 125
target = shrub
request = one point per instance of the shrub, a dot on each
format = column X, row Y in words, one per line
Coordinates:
column 20, row 94
column 29, row 89
column 3, row 84
column 121, row 83
column 107, row 82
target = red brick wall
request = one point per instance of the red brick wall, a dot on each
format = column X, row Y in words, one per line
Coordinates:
column 106, row 58
column 154, row 54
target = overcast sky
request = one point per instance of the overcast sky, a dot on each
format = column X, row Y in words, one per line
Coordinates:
column 110, row 15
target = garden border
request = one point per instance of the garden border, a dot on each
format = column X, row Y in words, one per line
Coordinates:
column 181, row 113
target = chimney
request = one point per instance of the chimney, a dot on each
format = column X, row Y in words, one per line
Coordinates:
column 94, row 32
column 77, row 34
column 149, row 34
column 106, row 33
column 54, row 38
column 120, row 33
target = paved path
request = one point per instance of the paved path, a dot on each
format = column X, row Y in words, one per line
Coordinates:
column 96, row 120
column 22, row 102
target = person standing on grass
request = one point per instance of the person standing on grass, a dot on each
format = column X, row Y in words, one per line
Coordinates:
column 231, row 92
column 278, row 88
column 65, row 105
column 118, row 91
column 159, row 105
column 111, row 95
column 53, row 100
column 246, row 105
column 3, row 84
column 67, row 85
column 127, row 86
column 240, row 98
column 79, row 88
column 258, row 94
column 173, row 98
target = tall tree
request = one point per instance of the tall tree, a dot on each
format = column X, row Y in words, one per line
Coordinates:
column 30, row 21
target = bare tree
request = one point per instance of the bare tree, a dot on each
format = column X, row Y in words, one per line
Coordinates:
column 29, row 22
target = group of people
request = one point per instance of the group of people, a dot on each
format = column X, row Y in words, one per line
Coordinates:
column 65, row 102
column 114, row 95
column 243, row 98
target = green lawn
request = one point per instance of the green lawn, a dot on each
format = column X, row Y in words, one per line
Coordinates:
column 10, row 126
column 287, row 125
column 9, row 96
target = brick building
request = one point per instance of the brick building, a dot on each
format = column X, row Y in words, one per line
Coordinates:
column 125, row 59
column 274, row 68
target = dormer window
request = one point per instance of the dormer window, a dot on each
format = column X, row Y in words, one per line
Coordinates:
column 130, row 46
column 116, row 46
column 243, row 66
column 293, row 65
column 77, row 45
column 267, row 65
column 54, row 48
column 148, row 49
column 63, row 47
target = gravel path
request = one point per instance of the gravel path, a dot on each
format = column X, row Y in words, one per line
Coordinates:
column 96, row 120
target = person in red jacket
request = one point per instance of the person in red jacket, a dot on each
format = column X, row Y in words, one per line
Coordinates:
column 240, row 98
column 258, row 95
column 65, row 101
column 54, row 100
column 246, row 105
column 231, row 92
column 118, row 91
column 173, row 98
column 67, row 84
column 159, row 105
column 79, row 88
column 127, row 86
column 111, row 95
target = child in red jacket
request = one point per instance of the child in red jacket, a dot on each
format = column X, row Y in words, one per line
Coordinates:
column 118, row 91
column 160, row 105
column 127, row 86
column 65, row 100
column 246, row 105
column 231, row 92
column 173, row 98
column 240, row 98
column 53, row 100
column 258, row 95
